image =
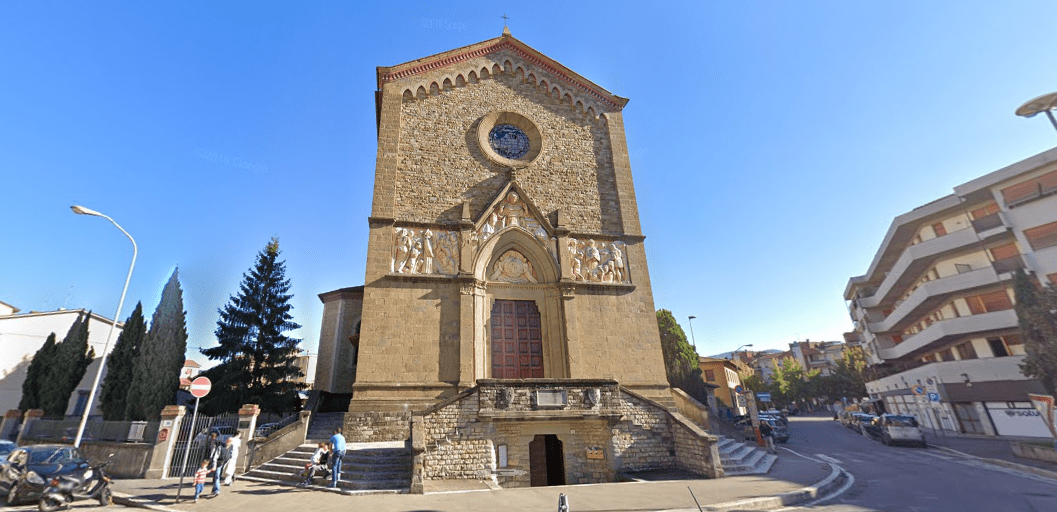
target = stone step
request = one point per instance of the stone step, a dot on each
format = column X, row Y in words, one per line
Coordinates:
column 345, row 488
column 760, row 468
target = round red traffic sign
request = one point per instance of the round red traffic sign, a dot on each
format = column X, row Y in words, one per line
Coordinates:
column 200, row 387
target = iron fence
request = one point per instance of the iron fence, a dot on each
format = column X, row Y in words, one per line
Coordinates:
column 198, row 439
column 115, row 431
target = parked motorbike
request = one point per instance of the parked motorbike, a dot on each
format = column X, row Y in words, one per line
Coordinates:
column 91, row 483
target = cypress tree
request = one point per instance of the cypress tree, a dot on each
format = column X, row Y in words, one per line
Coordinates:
column 1037, row 316
column 156, row 372
column 39, row 367
column 119, row 366
column 68, row 364
column 256, row 359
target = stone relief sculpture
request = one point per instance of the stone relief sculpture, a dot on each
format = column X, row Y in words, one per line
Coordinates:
column 592, row 397
column 425, row 252
column 512, row 267
column 591, row 263
column 510, row 212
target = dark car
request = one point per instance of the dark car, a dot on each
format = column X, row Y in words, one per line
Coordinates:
column 778, row 430
column 26, row 471
column 861, row 422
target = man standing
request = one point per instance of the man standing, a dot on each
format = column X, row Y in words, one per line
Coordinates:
column 218, row 457
column 337, row 452
column 768, row 435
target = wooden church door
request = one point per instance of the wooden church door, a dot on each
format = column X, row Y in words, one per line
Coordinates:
column 517, row 347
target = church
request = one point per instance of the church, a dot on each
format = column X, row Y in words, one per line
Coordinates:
column 506, row 326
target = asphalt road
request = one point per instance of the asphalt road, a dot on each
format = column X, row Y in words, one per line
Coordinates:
column 911, row 479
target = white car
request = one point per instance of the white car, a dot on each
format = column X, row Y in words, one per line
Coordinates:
column 901, row 429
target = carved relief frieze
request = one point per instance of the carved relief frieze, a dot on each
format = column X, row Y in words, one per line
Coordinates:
column 513, row 267
column 424, row 251
column 598, row 262
column 512, row 212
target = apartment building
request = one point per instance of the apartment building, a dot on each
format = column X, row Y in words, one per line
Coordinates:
column 936, row 306
column 723, row 373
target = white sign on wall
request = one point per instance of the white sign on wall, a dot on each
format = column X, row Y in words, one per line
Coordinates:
column 1020, row 420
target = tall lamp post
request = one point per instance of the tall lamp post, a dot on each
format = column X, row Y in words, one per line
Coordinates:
column 692, row 340
column 80, row 210
column 1043, row 104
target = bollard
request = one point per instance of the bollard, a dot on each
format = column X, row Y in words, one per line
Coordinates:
column 563, row 503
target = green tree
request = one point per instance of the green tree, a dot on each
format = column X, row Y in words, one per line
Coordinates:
column 39, row 369
column 256, row 358
column 156, row 372
column 681, row 364
column 119, row 367
column 849, row 376
column 1037, row 315
column 66, row 368
column 791, row 381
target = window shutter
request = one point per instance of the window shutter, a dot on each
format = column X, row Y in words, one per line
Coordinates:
column 1042, row 236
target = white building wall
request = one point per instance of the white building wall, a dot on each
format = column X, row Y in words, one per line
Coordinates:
column 23, row 334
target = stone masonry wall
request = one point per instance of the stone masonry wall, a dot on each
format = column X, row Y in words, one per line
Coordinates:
column 441, row 165
column 456, row 444
column 371, row 426
column 644, row 440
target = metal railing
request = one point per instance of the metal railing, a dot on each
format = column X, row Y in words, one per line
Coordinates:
column 986, row 223
column 1010, row 264
column 114, row 431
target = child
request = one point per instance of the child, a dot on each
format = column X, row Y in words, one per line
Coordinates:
column 200, row 478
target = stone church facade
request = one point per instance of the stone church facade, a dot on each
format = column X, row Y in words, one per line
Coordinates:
column 507, row 313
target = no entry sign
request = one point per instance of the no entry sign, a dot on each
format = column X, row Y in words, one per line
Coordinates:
column 200, row 387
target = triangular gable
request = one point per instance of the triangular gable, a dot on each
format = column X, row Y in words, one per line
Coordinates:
column 503, row 42
column 504, row 212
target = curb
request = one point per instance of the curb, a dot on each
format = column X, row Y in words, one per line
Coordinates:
column 1045, row 473
column 131, row 501
column 816, row 490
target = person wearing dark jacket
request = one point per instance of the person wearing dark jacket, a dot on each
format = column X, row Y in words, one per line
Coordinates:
column 768, row 435
column 219, row 455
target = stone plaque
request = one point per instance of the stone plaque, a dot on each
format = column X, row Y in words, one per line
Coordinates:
column 596, row 452
column 552, row 397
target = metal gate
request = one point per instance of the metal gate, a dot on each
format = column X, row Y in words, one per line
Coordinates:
column 225, row 425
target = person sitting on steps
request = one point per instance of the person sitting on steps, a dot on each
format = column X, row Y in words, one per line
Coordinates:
column 318, row 464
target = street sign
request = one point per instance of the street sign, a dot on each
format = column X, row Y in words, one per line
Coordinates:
column 918, row 390
column 934, row 397
column 764, row 397
column 739, row 389
column 932, row 385
column 200, row 387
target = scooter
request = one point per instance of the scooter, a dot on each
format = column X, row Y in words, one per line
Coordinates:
column 89, row 484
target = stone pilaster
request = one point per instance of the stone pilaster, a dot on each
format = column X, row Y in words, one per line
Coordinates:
column 247, row 424
column 8, row 429
column 165, row 444
column 27, row 420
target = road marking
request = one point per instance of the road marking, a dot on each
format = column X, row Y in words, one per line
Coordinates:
column 829, row 459
column 801, row 455
column 938, row 456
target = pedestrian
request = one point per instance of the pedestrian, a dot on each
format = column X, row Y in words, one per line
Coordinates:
column 768, row 435
column 234, row 442
column 337, row 452
column 217, row 451
column 318, row 463
column 200, row 478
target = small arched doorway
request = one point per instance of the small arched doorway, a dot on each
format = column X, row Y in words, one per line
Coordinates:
column 546, row 461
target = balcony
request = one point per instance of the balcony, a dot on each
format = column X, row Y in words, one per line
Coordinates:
column 977, row 370
column 915, row 260
column 1007, row 265
column 988, row 223
column 946, row 331
column 933, row 293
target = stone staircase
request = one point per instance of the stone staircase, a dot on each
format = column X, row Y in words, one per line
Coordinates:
column 368, row 468
column 743, row 458
column 323, row 425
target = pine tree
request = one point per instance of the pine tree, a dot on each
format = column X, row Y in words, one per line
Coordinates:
column 36, row 374
column 156, row 372
column 66, row 369
column 119, row 366
column 256, row 359
column 1037, row 315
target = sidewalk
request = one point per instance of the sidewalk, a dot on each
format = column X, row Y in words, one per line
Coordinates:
column 996, row 448
column 789, row 473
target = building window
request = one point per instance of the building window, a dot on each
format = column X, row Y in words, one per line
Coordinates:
column 1031, row 189
column 989, row 302
column 939, row 229
column 966, row 351
column 1043, row 236
column 947, row 355
column 997, row 347
column 710, row 375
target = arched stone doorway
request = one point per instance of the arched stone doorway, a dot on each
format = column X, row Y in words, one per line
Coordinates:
column 546, row 461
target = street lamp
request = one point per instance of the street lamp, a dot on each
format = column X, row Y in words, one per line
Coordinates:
column 80, row 210
column 735, row 353
column 1044, row 104
column 692, row 340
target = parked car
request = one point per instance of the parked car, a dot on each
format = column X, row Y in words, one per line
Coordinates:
column 26, row 471
column 6, row 447
column 861, row 421
column 780, row 432
column 264, row 430
column 900, row 429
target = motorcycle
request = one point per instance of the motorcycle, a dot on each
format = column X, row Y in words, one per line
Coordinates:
column 89, row 484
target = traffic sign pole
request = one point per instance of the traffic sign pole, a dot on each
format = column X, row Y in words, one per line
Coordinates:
column 199, row 388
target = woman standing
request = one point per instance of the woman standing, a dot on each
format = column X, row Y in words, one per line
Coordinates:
column 234, row 442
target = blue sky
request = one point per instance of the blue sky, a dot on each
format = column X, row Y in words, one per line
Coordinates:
column 771, row 142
